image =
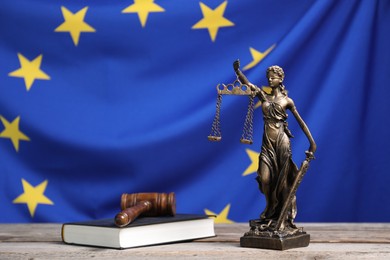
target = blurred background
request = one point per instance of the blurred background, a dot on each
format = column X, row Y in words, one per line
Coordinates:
column 100, row 98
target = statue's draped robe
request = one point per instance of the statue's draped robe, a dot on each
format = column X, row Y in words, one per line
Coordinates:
column 276, row 154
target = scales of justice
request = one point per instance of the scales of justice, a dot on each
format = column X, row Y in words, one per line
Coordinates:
column 278, row 177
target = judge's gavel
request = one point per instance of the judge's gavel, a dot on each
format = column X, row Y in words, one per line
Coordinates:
column 145, row 204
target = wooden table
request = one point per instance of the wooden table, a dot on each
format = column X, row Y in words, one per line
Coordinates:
column 328, row 241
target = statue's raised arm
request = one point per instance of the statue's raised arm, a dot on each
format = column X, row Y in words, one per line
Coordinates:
column 243, row 79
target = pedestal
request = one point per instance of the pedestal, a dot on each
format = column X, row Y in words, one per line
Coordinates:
column 275, row 243
column 265, row 237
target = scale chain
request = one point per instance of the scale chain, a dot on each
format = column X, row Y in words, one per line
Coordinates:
column 215, row 134
column 235, row 88
column 247, row 135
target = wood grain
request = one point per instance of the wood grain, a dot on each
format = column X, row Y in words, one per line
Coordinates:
column 328, row 241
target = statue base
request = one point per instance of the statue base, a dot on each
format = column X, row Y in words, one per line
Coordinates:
column 264, row 236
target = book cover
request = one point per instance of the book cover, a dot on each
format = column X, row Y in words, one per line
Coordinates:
column 142, row 232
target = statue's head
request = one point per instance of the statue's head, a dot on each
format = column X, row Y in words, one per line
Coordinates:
column 275, row 70
column 275, row 76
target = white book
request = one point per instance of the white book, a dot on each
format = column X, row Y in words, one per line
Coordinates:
column 142, row 232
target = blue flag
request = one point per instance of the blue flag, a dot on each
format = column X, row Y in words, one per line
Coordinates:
column 102, row 98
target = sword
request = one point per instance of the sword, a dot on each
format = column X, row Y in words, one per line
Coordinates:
column 293, row 190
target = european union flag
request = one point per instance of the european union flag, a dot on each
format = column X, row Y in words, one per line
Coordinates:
column 101, row 98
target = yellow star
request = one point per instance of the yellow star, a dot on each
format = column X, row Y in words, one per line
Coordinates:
column 29, row 70
column 252, row 168
column 12, row 132
column 267, row 89
column 213, row 19
column 222, row 216
column 258, row 104
column 33, row 196
column 143, row 8
column 257, row 56
column 74, row 24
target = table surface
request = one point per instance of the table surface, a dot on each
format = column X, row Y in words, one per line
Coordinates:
column 328, row 241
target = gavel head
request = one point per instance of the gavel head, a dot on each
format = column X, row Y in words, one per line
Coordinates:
column 162, row 203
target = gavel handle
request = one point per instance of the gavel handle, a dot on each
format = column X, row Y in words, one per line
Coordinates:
column 126, row 216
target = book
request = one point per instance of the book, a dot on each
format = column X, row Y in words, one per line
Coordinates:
column 142, row 232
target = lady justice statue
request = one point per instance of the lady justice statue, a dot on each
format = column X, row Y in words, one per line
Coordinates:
column 278, row 176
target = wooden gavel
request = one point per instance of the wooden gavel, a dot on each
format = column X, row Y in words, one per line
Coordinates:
column 145, row 204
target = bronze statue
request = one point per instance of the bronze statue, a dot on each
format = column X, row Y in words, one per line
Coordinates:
column 278, row 176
